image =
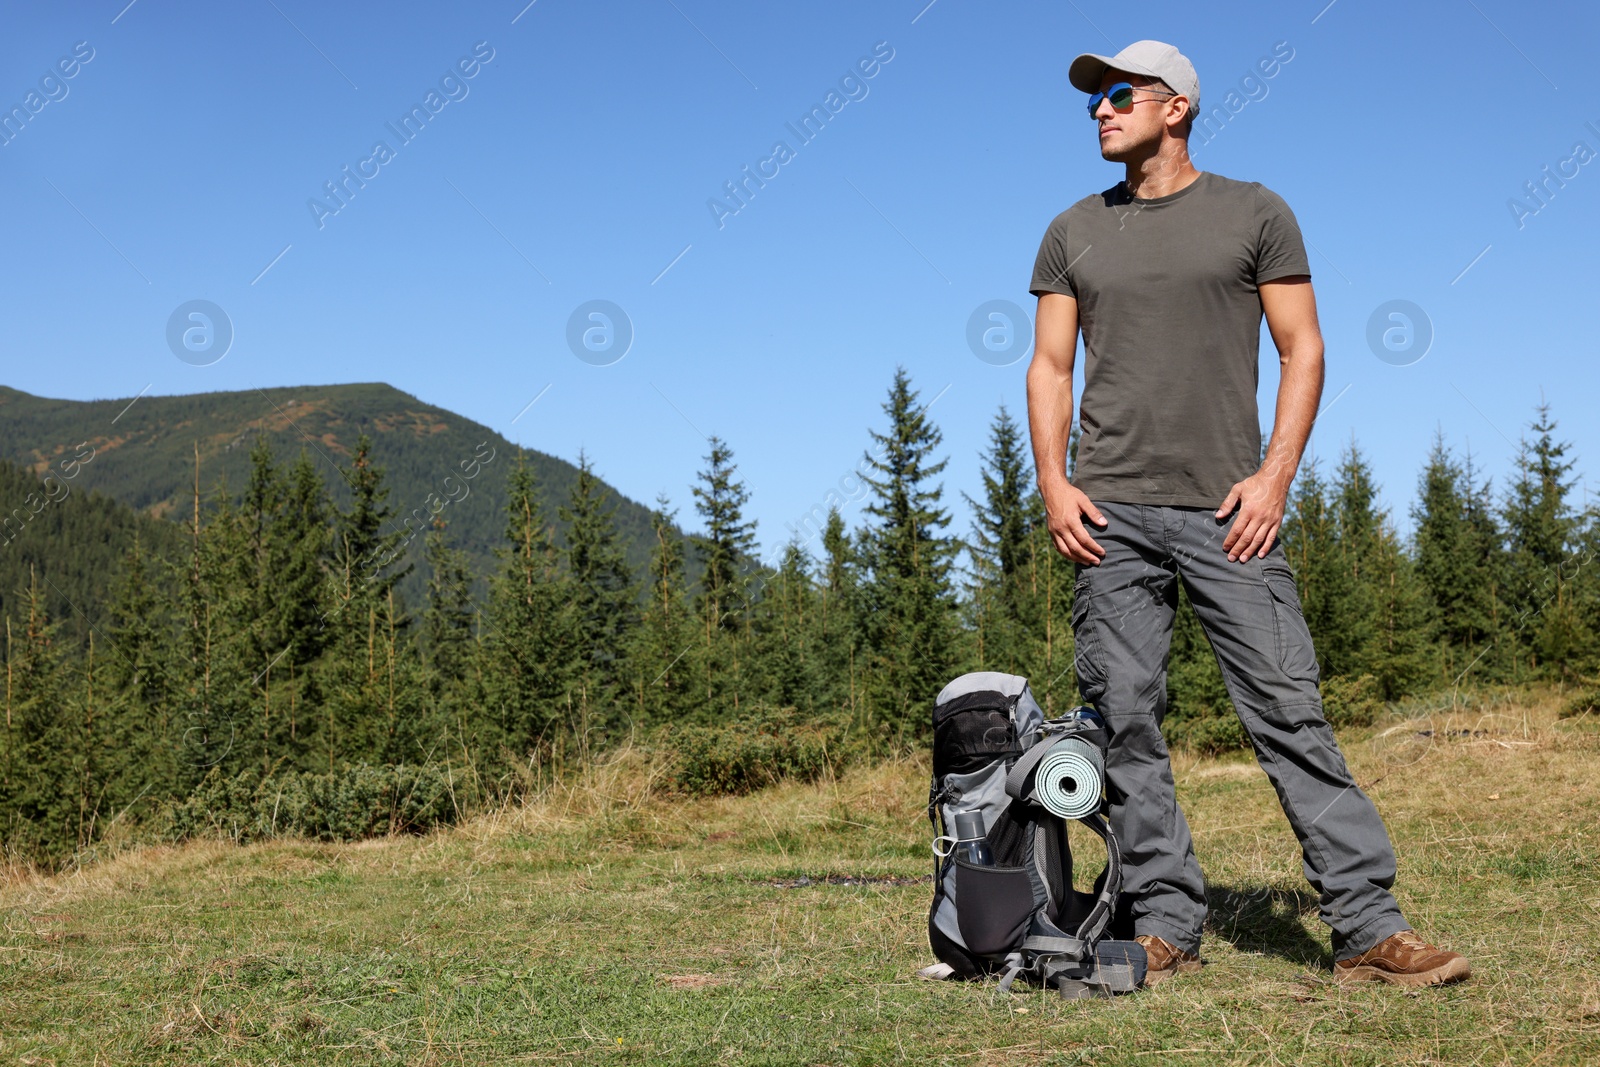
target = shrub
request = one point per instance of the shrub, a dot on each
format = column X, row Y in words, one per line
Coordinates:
column 1210, row 735
column 749, row 753
column 349, row 804
column 1351, row 701
column 1587, row 702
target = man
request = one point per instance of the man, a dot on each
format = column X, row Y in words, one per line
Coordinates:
column 1168, row 275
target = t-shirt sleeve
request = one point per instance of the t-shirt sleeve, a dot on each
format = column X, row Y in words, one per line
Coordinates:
column 1050, row 266
column 1280, row 250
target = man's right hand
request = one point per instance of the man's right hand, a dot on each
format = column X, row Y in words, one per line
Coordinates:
column 1065, row 508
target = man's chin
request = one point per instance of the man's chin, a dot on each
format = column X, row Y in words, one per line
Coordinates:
column 1121, row 150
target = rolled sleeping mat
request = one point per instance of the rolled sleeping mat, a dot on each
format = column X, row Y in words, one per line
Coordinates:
column 1070, row 779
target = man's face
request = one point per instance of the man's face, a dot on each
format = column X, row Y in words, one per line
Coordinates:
column 1134, row 133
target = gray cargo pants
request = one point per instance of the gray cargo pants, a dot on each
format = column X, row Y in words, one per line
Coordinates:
column 1122, row 621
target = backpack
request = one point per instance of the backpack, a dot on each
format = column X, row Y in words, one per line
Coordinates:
column 1021, row 917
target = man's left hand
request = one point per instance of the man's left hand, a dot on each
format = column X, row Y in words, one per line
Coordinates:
column 1260, row 500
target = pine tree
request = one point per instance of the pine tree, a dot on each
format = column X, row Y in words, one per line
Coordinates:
column 400, row 728
column 140, row 649
column 1488, row 542
column 1359, row 523
column 210, row 675
column 1583, row 592
column 1541, row 532
column 257, row 560
column 374, row 692
column 1444, row 561
column 722, row 602
column 839, row 636
column 528, row 684
column 364, row 717
column 1310, row 536
column 606, row 600
column 1359, row 592
column 38, row 795
column 786, row 622
column 1458, row 557
column 91, row 754
column 910, row 603
column 272, row 565
column 448, row 620
column 999, row 549
column 1539, row 517
column 720, row 500
column 664, row 656
column 1401, row 655
column 303, row 535
column 364, row 550
column 1330, row 536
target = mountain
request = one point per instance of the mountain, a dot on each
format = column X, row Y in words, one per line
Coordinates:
column 142, row 452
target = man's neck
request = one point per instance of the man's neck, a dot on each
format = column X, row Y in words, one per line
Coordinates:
column 1162, row 174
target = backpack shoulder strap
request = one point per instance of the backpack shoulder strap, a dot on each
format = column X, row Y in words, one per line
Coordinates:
column 1094, row 925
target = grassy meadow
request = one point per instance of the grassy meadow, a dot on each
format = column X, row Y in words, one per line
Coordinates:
column 613, row 922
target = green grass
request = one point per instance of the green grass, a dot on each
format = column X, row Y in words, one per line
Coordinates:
column 610, row 923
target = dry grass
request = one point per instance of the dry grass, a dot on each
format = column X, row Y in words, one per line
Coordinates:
column 610, row 921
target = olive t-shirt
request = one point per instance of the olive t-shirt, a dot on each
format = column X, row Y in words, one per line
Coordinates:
column 1171, row 319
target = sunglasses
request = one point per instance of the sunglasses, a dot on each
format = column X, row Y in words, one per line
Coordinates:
column 1121, row 97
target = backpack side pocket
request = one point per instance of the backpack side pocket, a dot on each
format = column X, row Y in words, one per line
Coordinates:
column 993, row 907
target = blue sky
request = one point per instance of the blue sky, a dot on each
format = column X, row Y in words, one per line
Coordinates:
column 576, row 163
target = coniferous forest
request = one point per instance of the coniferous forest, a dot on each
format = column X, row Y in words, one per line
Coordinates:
column 254, row 666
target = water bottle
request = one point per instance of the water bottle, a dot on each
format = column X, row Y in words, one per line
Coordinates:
column 970, row 843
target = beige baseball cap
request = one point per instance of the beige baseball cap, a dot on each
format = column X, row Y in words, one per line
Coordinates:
column 1153, row 59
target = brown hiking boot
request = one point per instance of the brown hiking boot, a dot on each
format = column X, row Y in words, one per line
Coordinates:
column 1403, row 959
column 1166, row 959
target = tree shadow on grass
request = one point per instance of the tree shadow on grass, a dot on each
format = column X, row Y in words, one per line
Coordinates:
column 1267, row 920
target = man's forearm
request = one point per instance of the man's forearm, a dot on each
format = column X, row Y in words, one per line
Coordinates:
column 1049, row 423
column 1299, row 392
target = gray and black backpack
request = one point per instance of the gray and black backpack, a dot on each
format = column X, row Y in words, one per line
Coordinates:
column 994, row 754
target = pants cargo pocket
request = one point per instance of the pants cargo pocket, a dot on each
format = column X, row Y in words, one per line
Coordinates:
column 1088, row 653
column 1296, row 654
column 993, row 906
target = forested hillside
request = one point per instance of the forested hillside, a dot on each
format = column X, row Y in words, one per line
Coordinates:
column 71, row 541
column 143, row 453
column 262, row 670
